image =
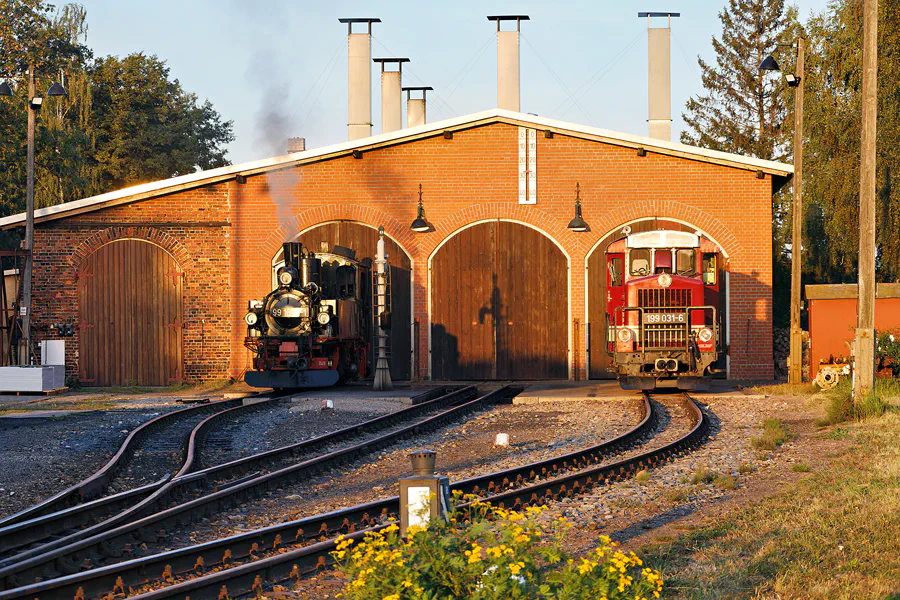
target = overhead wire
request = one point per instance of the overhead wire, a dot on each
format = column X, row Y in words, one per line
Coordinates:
column 560, row 81
column 321, row 89
column 342, row 45
column 600, row 74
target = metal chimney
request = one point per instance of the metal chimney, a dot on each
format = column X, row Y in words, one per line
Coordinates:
column 391, row 101
column 359, row 79
column 508, row 92
column 415, row 107
column 659, row 77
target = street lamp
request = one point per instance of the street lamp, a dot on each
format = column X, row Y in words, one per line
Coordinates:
column 420, row 225
column 577, row 224
column 795, row 80
column 34, row 105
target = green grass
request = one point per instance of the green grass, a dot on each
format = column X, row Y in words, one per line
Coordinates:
column 703, row 475
column 801, row 468
column 745, row 468
column 725, row 481
column 786, row 389
column 774, row 434
column 840, row 406
column 642, row 477
column 835, row 534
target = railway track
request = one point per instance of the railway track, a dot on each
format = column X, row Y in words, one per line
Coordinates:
column 168, row 443
column 215, row 488
column 245, row 561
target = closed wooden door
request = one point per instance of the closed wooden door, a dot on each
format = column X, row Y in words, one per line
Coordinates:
column 499, row 305
column 131, row 317
column 363, row 240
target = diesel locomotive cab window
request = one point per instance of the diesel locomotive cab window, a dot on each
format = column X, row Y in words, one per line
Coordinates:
column 686, row 262
column 640, row 261
column 709, row 269
column 615, row 271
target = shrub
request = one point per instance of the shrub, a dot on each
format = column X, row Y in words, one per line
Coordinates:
column 488, row 553
column 774, row 434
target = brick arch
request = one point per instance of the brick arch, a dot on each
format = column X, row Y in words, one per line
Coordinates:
column 148, row 234
column 397, row 231
column 528, row 214
column 663, row 209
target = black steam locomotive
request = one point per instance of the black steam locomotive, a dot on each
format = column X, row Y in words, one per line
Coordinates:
column 311, row 331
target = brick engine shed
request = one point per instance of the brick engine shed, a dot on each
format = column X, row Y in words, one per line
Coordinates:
column 156, row 277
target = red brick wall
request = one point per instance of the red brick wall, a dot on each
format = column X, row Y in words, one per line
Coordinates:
column 472, row 177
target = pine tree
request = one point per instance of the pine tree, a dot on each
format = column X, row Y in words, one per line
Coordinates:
column 743, row 112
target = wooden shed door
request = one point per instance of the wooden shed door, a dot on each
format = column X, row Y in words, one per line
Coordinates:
column 499, row 305
column 363, row 240
column 130, row 316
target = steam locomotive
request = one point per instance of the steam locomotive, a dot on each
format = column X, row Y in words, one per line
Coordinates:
column 664, row 295
column 312, row 330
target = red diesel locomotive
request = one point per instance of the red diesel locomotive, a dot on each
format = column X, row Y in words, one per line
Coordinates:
column 311, row 331
column 663, row 308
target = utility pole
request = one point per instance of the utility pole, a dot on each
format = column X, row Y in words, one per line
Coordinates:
column 864, row 373
column 25, row 309
column 795, row 366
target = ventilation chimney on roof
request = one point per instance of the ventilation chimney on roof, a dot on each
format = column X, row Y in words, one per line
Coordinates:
column 508, row 62
column 659, row 77
column 391, row 100
column 359, row 79
column 415, row 107
column 296, row 144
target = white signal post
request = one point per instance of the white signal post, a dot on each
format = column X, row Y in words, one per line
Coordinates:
column 382, row 367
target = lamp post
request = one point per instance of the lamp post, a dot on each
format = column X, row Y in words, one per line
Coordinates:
column 34, row 106
column 795, row 80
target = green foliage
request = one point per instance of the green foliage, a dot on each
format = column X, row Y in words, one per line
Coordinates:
column 840, row 406
column 124, row 121
column 725, row 481
column 801, row 468
column 703, row 475
column 774, row 434
column 483, row 552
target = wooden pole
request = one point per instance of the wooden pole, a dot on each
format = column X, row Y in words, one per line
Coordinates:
column 864, row 375
column 795, row 366
column 25, row 348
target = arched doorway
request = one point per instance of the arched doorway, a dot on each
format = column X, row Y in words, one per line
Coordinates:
column 363, row 239
column 131, row 318
column 600, row 363
column 499, row 305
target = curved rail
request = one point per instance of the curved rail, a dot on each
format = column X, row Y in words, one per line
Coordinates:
column 116, row 537
column 134, row 573
column 90, row 517
column 254, row 576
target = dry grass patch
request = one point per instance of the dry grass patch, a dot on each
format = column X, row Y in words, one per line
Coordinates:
column 774, row 434
column 835, row 534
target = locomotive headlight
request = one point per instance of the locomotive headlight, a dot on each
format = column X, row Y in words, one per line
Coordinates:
column 250, row 318
column 664, row 280
column 323, row 318
column 624, row 335
column 286, row 277
column 705, row 335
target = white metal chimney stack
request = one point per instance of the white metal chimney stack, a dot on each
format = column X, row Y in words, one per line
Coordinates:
column 415, row 107
column 508, row 91
column 391, row 96
column 659, row 77
column 359, row 79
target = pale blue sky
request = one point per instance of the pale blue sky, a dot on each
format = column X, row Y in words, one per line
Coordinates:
column 285, row 63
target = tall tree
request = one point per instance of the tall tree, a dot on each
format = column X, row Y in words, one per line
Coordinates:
column 833, row 141
column 740, row 111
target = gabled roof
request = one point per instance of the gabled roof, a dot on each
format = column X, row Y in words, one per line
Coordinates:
column 780, row 171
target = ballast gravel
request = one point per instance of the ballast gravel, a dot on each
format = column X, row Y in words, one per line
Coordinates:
column 465, row 449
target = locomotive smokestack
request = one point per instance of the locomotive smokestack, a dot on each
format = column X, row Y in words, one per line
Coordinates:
column 391, row 110
column 415, row 107
column 508, row 92
column 291, row 252
column 659, row 77
column 359, row 79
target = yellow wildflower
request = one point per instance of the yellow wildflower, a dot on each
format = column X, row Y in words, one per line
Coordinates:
column 516, row 567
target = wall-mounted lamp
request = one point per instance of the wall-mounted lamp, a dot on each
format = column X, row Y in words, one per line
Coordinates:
column 420, row 225
column 770, row 64
column 578, row 223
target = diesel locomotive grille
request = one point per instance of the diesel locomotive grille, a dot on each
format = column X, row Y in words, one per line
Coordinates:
column 664, row 298
column 669, row 335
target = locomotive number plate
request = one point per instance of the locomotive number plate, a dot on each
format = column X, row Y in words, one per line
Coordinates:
column 664, row 318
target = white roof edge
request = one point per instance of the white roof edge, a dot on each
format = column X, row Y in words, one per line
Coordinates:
column 287, row 159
